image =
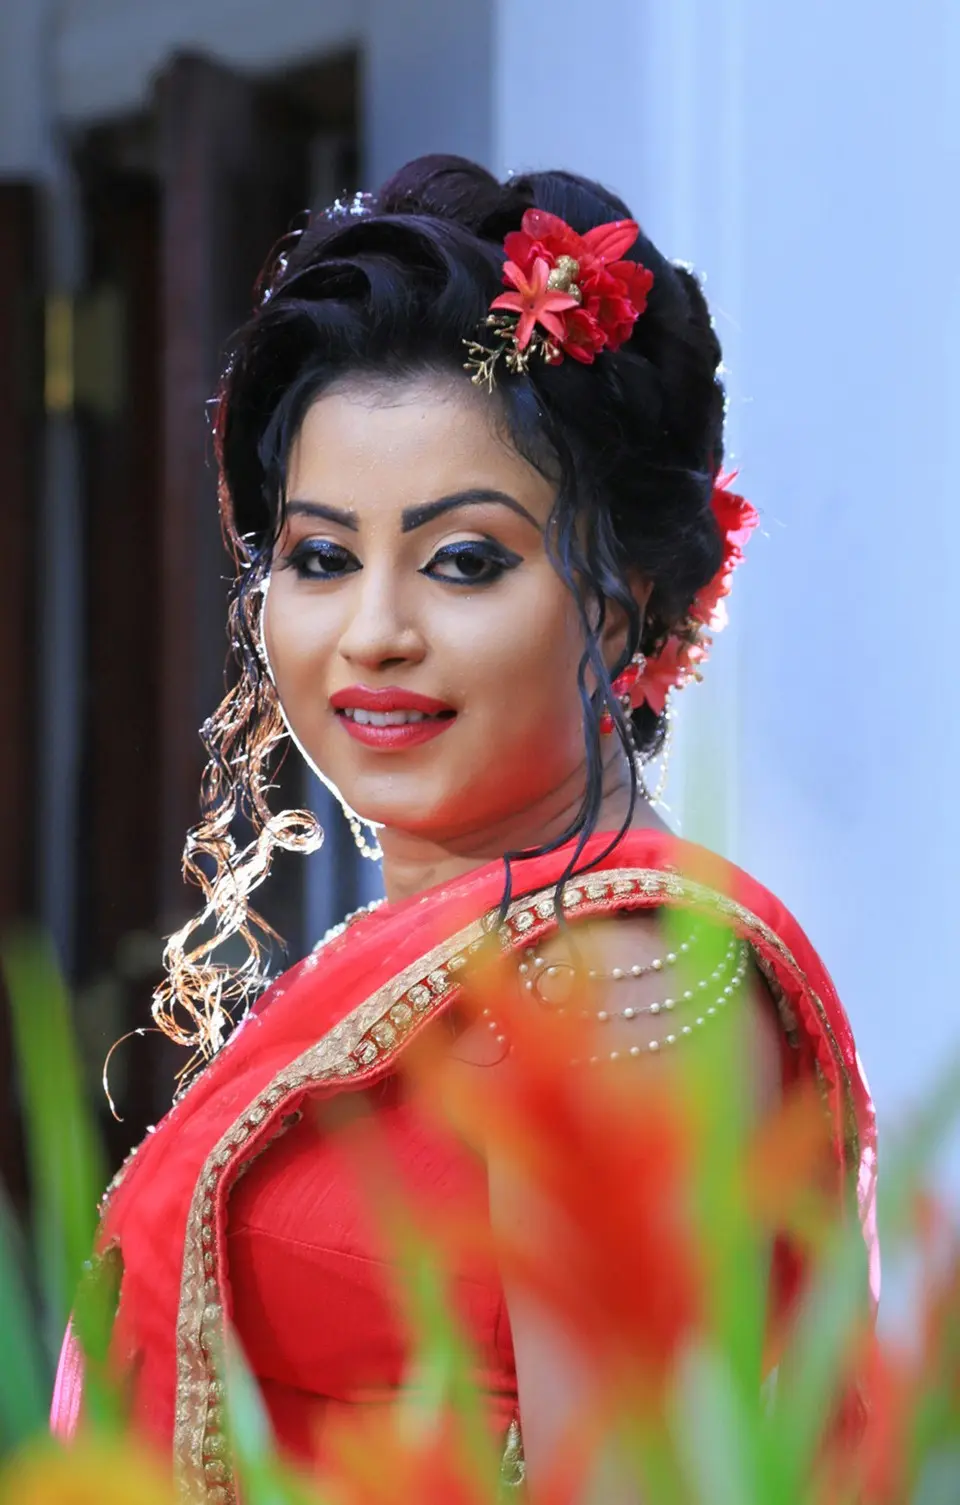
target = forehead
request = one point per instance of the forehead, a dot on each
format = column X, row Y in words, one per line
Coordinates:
column 386, row 444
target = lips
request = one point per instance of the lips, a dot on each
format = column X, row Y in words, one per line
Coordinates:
column 390, row 718
column 390, row 698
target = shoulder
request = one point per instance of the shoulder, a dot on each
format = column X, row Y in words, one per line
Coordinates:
column 651, row 985
column 657, row 981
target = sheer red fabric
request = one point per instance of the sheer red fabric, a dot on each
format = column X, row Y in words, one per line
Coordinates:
column 243, row 1209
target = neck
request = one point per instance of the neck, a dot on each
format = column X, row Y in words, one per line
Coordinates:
column 413, row 862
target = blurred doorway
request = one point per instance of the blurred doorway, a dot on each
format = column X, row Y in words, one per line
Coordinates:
column 180, row 206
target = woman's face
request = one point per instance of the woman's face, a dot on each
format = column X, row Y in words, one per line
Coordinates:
column 411, row 585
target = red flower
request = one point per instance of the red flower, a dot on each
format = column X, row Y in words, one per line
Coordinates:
column 674, row 665
column 736, row 519
column 637, row 280
column 616, row 301
column 612, row 292
column 582, row 338
column 678, row 661
column 543, row 234
column 534, row 301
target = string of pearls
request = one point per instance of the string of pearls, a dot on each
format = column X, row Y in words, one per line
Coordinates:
column 721, row 986
column 541, row 969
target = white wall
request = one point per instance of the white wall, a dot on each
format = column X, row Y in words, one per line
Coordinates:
column 427, row 84
column 804, row 157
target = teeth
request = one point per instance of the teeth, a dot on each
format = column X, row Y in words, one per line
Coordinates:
column 383, row 718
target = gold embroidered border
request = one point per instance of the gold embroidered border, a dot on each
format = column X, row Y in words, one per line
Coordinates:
column 360, row 1045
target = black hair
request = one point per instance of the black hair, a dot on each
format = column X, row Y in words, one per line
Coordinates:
column 393, row 284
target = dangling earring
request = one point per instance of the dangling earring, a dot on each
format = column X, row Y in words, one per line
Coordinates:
column 623, row 687
column 656, row 797
column 374, row 852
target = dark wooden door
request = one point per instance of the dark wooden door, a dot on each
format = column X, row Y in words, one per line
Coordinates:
column 21, row 429
column 181, row 206
column 239, row 163
column 216, row 227
column 21, row 420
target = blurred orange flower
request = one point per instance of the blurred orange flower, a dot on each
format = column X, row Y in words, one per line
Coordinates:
column 90, row 1472
column 597, row 1167
column 380, row 1461
column 791, row 1170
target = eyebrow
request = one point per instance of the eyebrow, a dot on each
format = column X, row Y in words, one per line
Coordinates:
column 415, row 517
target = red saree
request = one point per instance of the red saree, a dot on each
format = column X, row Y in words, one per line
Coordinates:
column 336, row 1022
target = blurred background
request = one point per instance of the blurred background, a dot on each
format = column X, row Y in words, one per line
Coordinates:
column 803, row 157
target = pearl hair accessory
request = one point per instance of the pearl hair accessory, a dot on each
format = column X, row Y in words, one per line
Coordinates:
column 722, row 985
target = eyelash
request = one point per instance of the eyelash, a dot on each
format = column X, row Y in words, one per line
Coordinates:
column 497, row 560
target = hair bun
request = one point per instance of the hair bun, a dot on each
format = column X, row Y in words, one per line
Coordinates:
column 453, row 188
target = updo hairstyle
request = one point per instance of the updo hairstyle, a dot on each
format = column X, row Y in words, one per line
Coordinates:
column 390, row 286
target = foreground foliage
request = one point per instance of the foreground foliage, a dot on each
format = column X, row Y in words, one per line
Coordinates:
column 649, row 1247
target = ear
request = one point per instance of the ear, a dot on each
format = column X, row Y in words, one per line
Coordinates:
column 614, row 636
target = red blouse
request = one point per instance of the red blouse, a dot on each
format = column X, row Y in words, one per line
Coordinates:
column 315, row 1290
column 245, row 1207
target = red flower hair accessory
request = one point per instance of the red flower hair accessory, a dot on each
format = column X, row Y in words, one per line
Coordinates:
column 569, row 295
column 685, row 650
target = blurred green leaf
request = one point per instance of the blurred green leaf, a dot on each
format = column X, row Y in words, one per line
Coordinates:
column 714, row 1432
column 719, row 1089
column 25, row 1380
column 809, row 1382
column 66, row 1166
column 264, row 1478
column 94, row 1310
column 939, row 1480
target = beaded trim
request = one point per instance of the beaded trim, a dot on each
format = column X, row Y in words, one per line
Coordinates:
column 359, row 1048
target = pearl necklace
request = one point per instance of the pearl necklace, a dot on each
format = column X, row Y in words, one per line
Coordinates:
column 542, row 970
column 735, row 963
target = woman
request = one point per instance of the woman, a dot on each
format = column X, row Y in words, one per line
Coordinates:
column 469, row 445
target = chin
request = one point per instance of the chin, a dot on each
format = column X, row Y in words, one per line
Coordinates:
column 430, row 820
column 435, row 825
column 411, row 803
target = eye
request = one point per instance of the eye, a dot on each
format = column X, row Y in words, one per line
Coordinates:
column 471, row 563
column 321, row 559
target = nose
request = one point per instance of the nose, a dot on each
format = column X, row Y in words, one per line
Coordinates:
column 380, row 631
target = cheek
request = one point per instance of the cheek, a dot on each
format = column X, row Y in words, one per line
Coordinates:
column 523, row 669
column 298, row 643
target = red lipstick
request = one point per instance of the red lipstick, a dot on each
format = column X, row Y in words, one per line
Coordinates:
column 429, row 716
column 390, row 698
